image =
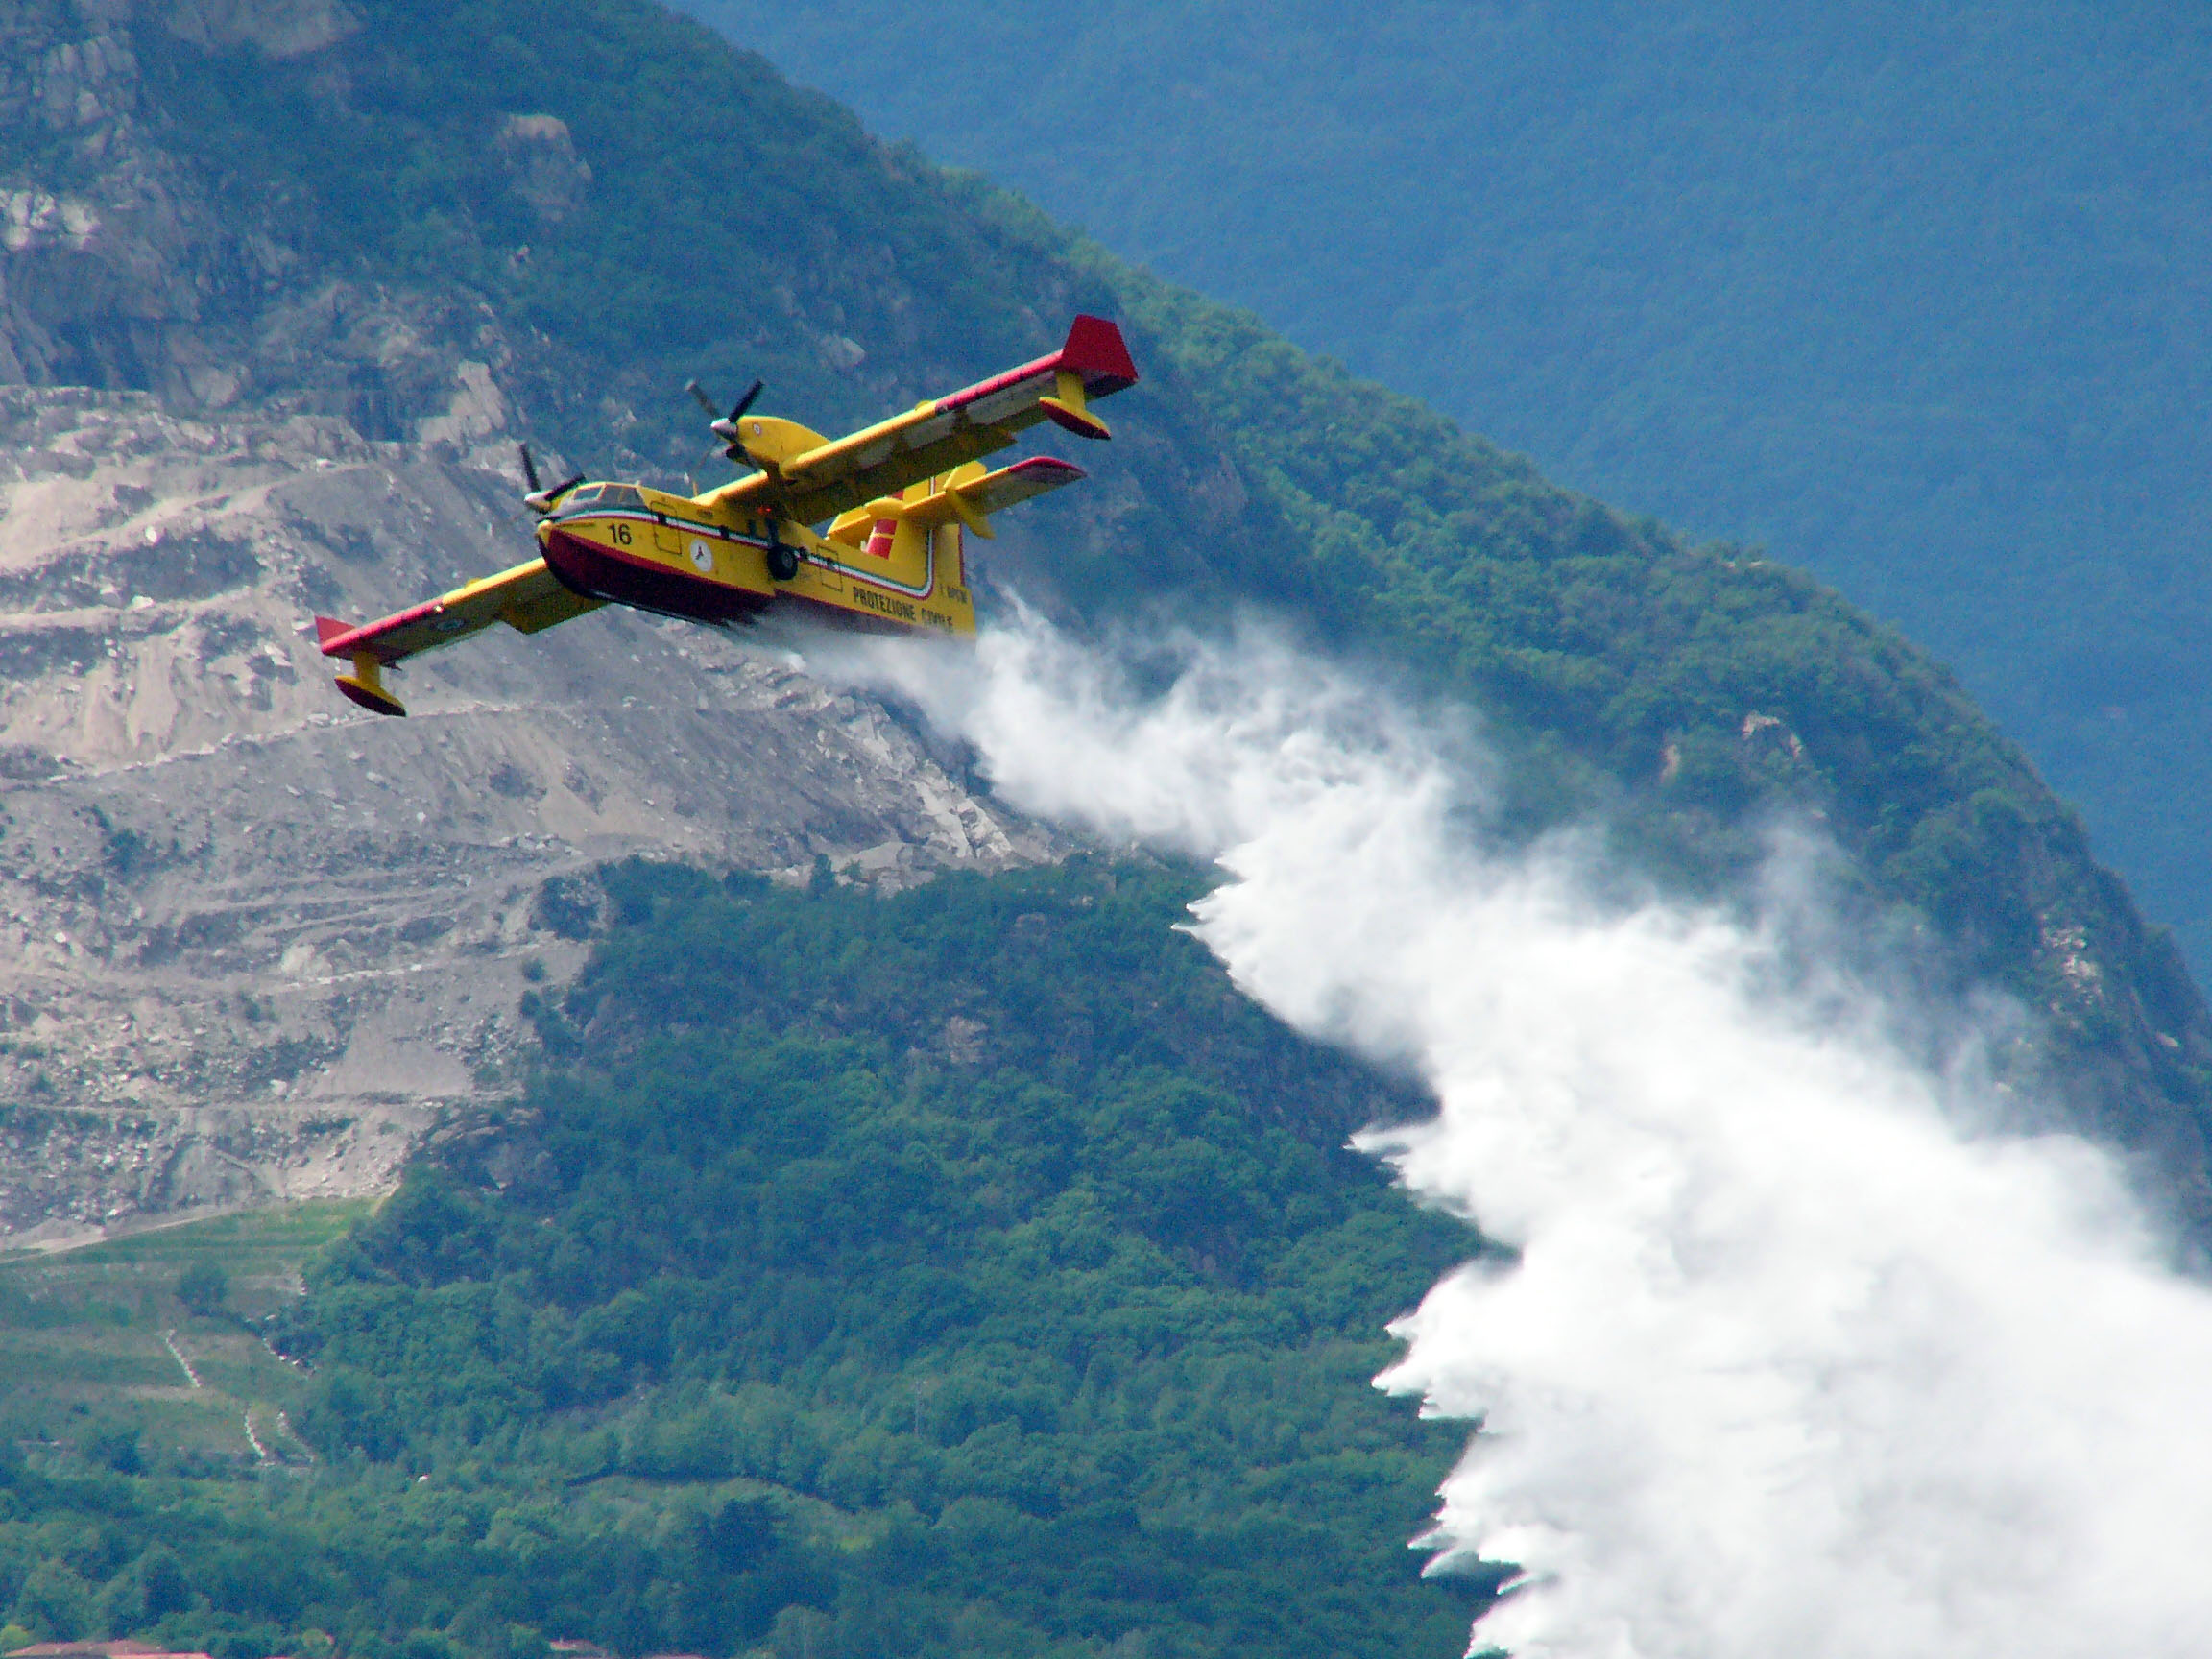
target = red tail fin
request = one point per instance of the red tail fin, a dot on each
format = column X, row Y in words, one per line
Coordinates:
column 1096, row 350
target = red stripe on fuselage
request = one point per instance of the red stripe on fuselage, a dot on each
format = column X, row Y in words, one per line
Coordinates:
column 597, row 572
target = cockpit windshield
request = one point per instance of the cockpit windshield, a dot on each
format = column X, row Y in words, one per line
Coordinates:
column 600, row 497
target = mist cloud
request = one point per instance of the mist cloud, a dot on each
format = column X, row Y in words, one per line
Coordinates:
column 1787, row 1364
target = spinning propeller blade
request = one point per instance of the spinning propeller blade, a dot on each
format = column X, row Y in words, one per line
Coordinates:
column 541, row 501
column 724, row 426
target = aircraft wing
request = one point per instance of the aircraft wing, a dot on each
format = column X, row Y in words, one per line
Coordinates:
column 936, row 437
column 529, row 598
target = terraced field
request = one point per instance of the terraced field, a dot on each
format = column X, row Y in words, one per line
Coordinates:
column 102, row 1360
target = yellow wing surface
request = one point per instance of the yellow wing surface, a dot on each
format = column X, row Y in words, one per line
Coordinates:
column 529, row 599
column 806, row 478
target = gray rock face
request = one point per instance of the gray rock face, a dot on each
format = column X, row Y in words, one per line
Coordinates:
column 542, row 166
column 273, row 28
column 118, row 272
column 254, row 943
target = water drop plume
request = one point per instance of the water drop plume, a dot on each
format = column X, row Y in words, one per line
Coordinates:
column 1785, row 1361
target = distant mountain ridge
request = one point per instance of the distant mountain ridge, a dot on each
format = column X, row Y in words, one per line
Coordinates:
column 449, row 227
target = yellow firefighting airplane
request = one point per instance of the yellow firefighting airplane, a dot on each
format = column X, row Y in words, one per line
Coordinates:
column 895, row 498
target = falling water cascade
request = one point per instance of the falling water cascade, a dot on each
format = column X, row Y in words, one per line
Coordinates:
column 1784, row 1359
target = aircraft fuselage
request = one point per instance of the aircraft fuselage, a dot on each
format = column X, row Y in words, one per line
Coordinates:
column 681, row 557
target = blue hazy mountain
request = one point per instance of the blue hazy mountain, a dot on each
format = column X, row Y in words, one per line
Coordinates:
column 1913, row 295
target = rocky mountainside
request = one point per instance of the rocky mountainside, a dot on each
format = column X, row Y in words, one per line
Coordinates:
column 254, row 944
column 118, row 271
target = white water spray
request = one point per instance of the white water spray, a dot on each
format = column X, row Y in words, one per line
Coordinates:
column 1787, row 1368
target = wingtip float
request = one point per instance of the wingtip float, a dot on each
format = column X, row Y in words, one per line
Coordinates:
column 861, row 532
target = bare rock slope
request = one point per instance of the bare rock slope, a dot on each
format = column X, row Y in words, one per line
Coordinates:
column 253, row 943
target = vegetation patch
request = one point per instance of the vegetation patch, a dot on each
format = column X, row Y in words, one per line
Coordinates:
column 974, row 1267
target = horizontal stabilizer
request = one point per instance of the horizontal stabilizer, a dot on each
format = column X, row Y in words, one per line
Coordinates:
column 1021, row 482
column 969, row 500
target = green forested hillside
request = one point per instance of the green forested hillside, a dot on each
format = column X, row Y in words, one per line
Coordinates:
column 1907, row 293
column 734, row 225
column 968, row 1270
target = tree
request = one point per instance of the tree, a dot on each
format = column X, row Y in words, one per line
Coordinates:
column 202, row 1287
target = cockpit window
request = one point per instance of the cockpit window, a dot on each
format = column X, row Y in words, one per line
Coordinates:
column 622, row 496
column 578, row 497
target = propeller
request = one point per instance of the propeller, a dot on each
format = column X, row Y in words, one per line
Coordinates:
column 724, row 426
column 541, row 500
